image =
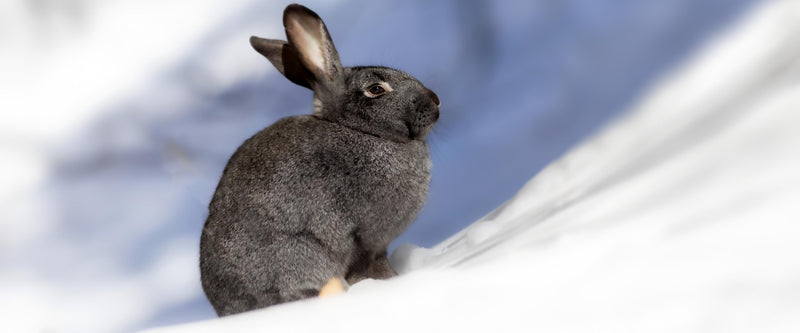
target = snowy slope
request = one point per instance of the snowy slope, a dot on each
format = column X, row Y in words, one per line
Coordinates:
column 682, row 216
column 117, row 117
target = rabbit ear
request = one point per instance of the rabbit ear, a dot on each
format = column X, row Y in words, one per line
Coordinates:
column 308, row 35
column 285, row 58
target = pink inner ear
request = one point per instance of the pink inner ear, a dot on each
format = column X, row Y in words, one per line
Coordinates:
column 307, row 36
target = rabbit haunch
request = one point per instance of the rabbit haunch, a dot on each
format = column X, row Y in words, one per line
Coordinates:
column 318, row 198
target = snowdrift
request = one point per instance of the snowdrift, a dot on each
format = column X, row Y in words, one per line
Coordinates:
column 681, row 216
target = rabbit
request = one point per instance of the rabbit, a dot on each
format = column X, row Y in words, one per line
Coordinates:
column 312, row 202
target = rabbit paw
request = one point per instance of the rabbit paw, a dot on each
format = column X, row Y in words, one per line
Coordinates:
column 333, row 287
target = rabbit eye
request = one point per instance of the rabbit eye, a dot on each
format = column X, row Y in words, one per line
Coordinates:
column 377, row 89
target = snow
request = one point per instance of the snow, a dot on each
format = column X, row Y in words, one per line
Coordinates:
column 117, row 118
column 679, row 217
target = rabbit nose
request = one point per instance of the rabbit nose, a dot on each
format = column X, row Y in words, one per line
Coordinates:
column 433, row 97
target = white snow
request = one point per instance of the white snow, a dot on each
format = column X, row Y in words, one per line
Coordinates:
column 116, row 118
column 680, row 217
column 63, row 63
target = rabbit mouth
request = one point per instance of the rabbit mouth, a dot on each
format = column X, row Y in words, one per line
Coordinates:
column 420, row 125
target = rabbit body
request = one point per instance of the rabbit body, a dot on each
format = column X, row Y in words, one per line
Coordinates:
column 294, row 209
column 318, row 197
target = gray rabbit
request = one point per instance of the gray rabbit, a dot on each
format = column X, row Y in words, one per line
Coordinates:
column 313, row 201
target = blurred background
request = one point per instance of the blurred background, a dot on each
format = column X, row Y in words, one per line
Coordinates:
column 117, row 118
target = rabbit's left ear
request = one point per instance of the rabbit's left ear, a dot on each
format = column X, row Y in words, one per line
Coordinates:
column 284, row 57
column 308, row 35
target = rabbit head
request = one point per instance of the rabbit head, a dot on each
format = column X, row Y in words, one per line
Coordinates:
column 379, row 101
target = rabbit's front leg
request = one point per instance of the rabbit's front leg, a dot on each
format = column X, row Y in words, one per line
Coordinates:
column 379, row 268
column 371, row 266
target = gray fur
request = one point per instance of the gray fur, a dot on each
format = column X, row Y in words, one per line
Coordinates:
column 320, row 196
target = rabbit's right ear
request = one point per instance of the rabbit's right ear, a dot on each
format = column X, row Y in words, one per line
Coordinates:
column 308, row 35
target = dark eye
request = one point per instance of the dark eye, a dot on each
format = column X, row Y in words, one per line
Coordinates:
column 376, row 90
